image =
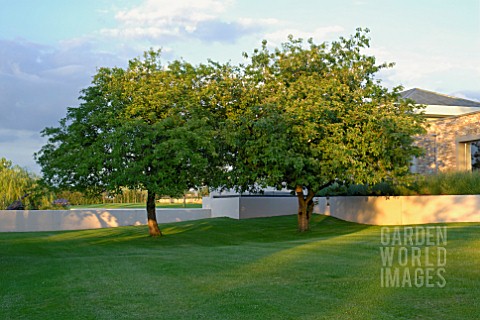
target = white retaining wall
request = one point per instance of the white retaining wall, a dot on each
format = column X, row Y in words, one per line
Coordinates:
column 367, row 210
column 248, row 207
column 360, row 209
column 52, row 220
column 403, row 210
column 222, row 207
column 257, row 207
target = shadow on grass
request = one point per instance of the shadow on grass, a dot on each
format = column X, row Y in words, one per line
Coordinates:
column 207, row 232
column 221, row 269
column 224, row 231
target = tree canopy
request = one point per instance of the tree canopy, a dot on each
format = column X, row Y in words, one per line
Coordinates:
column 321, row 116
column 136, row 128
column 301, row 116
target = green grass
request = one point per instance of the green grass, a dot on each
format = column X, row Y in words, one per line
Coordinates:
column 226, row 269
column 134, row 206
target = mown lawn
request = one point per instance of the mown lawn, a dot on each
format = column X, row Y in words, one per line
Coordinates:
column 227, row 269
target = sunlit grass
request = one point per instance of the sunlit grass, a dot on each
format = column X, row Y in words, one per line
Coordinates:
column 226, row 269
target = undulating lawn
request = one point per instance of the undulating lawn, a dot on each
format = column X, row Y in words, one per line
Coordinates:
column 135, row 206
column 227, row 269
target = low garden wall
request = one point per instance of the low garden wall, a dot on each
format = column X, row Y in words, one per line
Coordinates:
column 402, row 210
column 246, row 207
column 366, row 210
column 53, row 220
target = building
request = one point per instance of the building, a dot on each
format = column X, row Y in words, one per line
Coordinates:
column 452, row 141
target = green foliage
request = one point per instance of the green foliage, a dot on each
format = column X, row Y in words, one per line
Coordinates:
column 318, row 115
column 383, row 188
column 447, row 183
column 335, row 189
column 77, row 197
column 339, row 189
column 450, row 183
column 358, row 190
column 302, row 116
column 124, row 195
column 16, row 182
column 138, row 128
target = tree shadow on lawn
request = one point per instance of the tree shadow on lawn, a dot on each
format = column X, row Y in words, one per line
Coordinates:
column 241, row 262
column 335, row 267
column 206, row 232
column 318, row 266
column 225, row 231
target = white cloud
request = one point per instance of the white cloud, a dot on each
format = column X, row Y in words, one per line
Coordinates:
column 249, row 22
column 469, row 95
column 162, row 12
column 432, row 71
column 19, row 146
column 65, row 71
column 37, row 83
column 183, row 19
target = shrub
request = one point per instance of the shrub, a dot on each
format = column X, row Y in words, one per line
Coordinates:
column 335, row 189
column 454, row 183
column 383, row 189
column 357, row 190
column 339, row 189
column 447, row 183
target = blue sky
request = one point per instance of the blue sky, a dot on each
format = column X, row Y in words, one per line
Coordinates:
column 50, row 49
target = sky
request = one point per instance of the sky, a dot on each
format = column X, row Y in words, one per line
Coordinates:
column 51, row 49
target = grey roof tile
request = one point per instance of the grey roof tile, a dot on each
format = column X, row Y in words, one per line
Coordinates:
column 421, row 96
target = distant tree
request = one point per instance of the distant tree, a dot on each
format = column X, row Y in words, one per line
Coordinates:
column 14, row 183
column 18, row 184
column 319, row 116
column 77, row 197
column 136, row 128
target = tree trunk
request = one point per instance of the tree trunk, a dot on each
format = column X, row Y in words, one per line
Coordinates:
column 305, row 208
column 153, row 229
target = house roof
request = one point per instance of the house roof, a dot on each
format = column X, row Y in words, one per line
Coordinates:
column 421, row 96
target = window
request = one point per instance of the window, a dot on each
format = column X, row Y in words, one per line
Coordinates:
column 475, row 154
column 468, row 154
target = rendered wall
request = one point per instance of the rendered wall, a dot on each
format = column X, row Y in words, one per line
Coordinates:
column 403, row 210
column 366, row 210
column 247, row 207
column 223, row 207
column 257, row 207
column 52, row 220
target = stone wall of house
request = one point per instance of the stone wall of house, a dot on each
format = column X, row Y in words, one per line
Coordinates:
column 442, row 141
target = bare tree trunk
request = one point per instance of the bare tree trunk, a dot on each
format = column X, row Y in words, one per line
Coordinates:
column 153, row 229
column 305, row 208
column 302, row 212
